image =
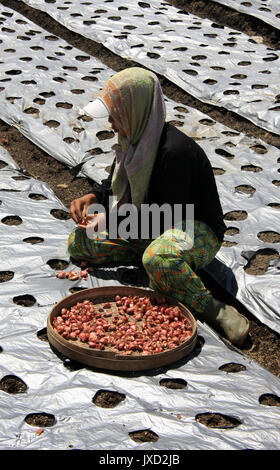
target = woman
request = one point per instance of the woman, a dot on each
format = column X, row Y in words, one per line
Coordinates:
column 157, row 164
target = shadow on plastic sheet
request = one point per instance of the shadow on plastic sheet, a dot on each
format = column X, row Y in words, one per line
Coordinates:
column 73, row 365
column 217, row 276
column 136, row 276
column 127, row 274
column 130, row 276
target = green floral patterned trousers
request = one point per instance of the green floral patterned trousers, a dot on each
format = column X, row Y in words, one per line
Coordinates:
column 171, row 260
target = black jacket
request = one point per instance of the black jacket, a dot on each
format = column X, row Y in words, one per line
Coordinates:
column 182, row 174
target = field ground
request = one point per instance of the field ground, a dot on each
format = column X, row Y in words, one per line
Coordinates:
column 263, row 344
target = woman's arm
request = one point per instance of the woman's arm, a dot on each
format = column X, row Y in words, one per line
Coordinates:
column 100, row 195
column 78, row 207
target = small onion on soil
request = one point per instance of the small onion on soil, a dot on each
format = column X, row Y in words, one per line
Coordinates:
column 128, row 325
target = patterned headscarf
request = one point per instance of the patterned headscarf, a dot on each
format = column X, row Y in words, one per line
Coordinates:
column 135, row 101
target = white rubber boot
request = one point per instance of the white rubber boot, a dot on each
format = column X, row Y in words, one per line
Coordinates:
column 233, row 325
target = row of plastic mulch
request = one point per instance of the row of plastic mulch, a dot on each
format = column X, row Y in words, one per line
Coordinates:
column 48, row 402
column 266, row 10
column 47, row 83
column 220, row 386
column 214, row 63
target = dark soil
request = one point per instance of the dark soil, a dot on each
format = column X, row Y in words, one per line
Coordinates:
column 42, row 420
column 11, row 220
column 268, row 399
column 12, row 384
column 174, row 384
column 242, row 22
column 259, row 263
column 25, row 300
column 107, row 398
column 58, row 264
column 43, row 167
column 60, row 214
column 217, row 420
column 144, row 435
column 263, row 345
column 33, row 240
column 6, row 276
column 227, row 16
column 232, row 367
column 43, row 334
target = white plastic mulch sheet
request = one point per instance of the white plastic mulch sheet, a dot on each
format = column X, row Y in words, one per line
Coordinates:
column 266, row 10
column 246, row 169
column 216, row 64
column 247, row 177
column 64, row 391
column 44, row 84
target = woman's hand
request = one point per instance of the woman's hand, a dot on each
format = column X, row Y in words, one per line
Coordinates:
column 94, row 224
column 78, row 207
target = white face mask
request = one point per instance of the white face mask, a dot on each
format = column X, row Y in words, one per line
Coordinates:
column 96, row 109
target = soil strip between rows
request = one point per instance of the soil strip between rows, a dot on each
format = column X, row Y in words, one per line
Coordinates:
column 172, row 91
